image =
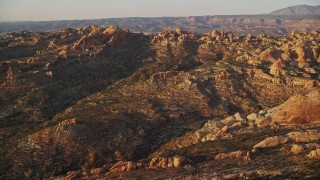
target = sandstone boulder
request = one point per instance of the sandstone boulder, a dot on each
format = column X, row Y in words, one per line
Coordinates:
column 179, row 161
column 300, row 52
column 259, row 73
column 299, row 148
column 277, row 68
column 73, row 175
column 286, row 47
column 113, row 30
column 179, row 31
column 262, row 112
column 234, row 127
column 9, row 73
column 49, row 73
column 298, row 137
column 230, row 37
column 249, row 38
column 270, row 55
column 126, row 166
column 161, row 162
column 263, row 121
column 252, row 116
column 233, row 155
column 171, row 162
column 316, row 52
column 315, row 154
column 304, row 137
column 67, row 30
column 239, row 117
column 97, row 171
column 272, row 142
column 89, row 41
column 299, row 109
column 215, row 33
column 209, row 132
column 303, row 63
column 229, row 119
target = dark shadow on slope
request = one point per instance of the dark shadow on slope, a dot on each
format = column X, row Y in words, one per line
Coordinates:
column 244, row 91
column 229, row 94
column 208, row 89
column 79, row 81
column 167, row 127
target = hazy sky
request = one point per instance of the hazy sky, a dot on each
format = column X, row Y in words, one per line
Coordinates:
column 20, row 10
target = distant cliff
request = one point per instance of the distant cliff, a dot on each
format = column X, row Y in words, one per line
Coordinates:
column 280, row 22
column 240, row 25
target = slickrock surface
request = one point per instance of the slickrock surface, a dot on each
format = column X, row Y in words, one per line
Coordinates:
column 298, row 110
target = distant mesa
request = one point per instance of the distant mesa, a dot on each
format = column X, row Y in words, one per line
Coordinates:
column 298, row 10
column 301, row 18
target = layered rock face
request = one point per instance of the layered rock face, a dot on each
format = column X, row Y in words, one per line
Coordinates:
column 102, row 102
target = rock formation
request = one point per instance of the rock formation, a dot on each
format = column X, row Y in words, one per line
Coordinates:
column 299, row 148
column 298, row 110
column 270, row 55
column 272, row 142
column 235, row 154
column 9, row 73
column 314, row 154
column 126, row 166
column 277, row 68
column 174, row 162
column 298, row 137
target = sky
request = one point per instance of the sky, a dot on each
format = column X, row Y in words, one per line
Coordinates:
column 42, row 10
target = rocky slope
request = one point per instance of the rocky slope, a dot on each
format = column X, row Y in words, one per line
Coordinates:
column 106, row 102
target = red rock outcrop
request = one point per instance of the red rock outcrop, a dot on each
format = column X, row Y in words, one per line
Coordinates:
column 272, row 142
column 299, row 110
column 89, row 41
column 277, row 68
column 304, row 137
column 115, row 33
column 315, row 154
column 48, row 135
column 9, row 73
column 180, row 31
column 67, row 30
column 233, row 155
column 270, row 55
column 98, row 38
column 171, row 162
column 299, row 148
column 126, row 166
column 97, row 171
column 297, row 137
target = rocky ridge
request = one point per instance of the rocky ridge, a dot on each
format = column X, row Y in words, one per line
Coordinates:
column 94, row 100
